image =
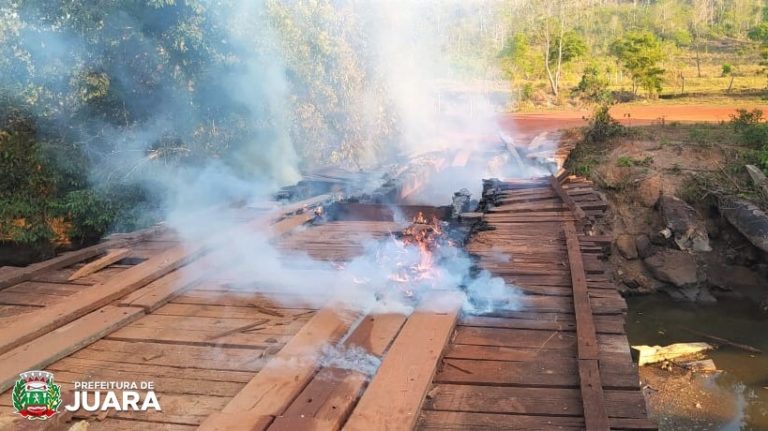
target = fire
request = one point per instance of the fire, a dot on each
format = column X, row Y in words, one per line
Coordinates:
column 424, row 235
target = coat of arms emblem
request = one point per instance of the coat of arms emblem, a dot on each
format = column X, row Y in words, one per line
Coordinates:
column 36, row 396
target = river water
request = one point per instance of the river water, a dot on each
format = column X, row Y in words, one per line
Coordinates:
column 736, row 398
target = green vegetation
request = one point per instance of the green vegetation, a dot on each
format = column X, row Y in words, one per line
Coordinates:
column 666, row 48
column 104, row 103
column 628, row 162
column 603, row 127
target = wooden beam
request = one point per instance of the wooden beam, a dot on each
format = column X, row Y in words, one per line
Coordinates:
column 15, row 331
column 595, row 413
column 328, row 399
column 112, row 256
column 577, row 211
column 396, row 393
column 43, row 351
column 272, row 390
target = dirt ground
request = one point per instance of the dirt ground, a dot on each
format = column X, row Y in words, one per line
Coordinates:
column 529, row 124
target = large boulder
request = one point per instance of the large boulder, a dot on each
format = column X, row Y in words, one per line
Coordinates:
column 675, row 267
column 644, row 246
column 626, row 246
column 648, row 190
column 686, row 225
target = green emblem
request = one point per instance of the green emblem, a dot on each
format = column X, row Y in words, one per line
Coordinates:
column 36, row 396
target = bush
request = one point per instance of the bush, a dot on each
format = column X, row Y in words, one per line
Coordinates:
column 752, row 130
column 603, row 127
column 593, row 86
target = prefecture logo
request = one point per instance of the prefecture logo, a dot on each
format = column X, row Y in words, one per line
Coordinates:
column 36, row 396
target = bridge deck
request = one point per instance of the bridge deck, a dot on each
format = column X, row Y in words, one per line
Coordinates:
column 536, row 368
column 224, row 357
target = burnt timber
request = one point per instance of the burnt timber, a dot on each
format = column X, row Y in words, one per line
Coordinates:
column 217, row 352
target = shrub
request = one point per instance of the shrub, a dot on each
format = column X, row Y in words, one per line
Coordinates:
column 603, row 127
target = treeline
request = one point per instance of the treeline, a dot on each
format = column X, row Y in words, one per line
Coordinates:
column 108, row 108
column 680, row 45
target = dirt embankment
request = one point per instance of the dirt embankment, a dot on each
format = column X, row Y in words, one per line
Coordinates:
column 669, row 234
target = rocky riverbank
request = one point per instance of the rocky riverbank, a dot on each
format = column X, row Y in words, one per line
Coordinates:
column 665, row 185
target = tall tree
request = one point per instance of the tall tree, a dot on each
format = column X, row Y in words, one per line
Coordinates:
column 640, row 53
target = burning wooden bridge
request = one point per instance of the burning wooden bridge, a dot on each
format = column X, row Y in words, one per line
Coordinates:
column 225, row 358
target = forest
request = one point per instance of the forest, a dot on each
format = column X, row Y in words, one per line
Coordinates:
column 110, row 110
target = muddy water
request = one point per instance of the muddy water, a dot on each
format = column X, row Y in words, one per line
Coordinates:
column 736, row 398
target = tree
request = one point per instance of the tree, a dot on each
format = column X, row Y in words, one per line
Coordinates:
column 728, row 71
column 759, row 34
column 515, row 58
column 593, row 85
column 552, row 30
column 640, row 53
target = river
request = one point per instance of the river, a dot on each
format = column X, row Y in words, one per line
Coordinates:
column 734, row 399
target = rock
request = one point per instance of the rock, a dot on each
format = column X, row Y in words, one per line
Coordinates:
column 633, row 275
column 757, row 176
column 747, row 218
column 702, row 366
column 626, row 246
column 654, row 354
column 649, row 190
column 643, row 246
column 675, row 267
column 733, row 277
column 686, row 225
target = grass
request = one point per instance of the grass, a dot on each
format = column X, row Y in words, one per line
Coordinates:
column 730, row 176
column 750, row 85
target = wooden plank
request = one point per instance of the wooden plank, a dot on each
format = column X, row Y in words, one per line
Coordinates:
column 593, row 399
column 329, row 398
column 595, row 415
column 547, row 371
column 45, row 350
column 113, row 255
column 577, row 211
column 182, row 356
column 17, row 332
column 270, row 392
column 394, row 396
column 470, row 421
column 585, row 325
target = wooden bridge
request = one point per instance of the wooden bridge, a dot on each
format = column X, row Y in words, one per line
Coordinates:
column 225, row 358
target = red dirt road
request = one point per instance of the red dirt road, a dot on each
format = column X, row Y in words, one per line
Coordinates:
column 534, row 123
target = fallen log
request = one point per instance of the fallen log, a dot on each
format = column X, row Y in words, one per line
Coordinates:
column 654, row 354
column 747, row 218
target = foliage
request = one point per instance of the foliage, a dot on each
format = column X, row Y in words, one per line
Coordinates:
column 640, row 53
column 574, row 46
column 602, row 126
column 516, row 58
column 628, row 162
column 593, row 85
column 752, row 130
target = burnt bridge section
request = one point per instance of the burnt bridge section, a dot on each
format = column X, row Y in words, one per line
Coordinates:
column 230, row 353
column 562, row 361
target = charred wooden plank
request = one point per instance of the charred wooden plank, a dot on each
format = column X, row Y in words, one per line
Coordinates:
column 394, row 397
